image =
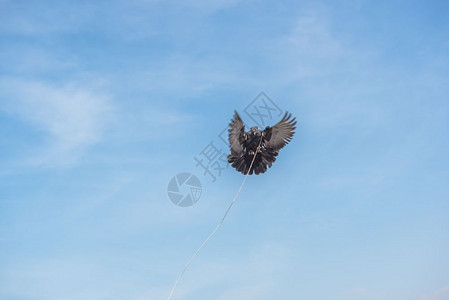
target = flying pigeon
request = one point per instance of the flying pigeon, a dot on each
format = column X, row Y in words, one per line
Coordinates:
column 265, row 144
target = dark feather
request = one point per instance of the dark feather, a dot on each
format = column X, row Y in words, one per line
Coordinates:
column 244, row 144
column 236, row 134
column 280, row 134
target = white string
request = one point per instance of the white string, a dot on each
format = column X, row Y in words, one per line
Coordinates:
column 218, row 226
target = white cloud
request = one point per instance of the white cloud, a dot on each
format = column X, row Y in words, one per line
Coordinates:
column 309, row 49
column 182, row 75
column 65, row 278
column 442, row 294
column 246, row 277
column 137, row 276
column 71, row 118
column 358, row 291
column 204, row 6
column 311, row 36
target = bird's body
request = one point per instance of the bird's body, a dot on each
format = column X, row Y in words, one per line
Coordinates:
column 265, row 144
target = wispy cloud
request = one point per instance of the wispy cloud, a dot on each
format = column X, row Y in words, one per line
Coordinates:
column 358, row 291
column 243, row 278
column 441, row 294
column 66, row 278
column 71, row 118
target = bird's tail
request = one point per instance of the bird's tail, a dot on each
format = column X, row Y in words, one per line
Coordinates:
column 262, row 162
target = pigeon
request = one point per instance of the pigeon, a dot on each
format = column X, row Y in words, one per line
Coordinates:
column 264, row 144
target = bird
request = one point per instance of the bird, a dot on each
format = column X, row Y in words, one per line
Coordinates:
column 264, row 144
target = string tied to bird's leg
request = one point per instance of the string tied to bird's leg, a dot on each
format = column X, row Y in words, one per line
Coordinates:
column 220, row 223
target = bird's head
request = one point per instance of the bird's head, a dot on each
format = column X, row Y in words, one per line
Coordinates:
column 254, row 130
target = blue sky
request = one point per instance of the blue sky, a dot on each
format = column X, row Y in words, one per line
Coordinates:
column 101, row 103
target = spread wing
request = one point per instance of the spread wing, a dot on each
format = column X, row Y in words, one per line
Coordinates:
column 236, row 134
column 279, row 135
